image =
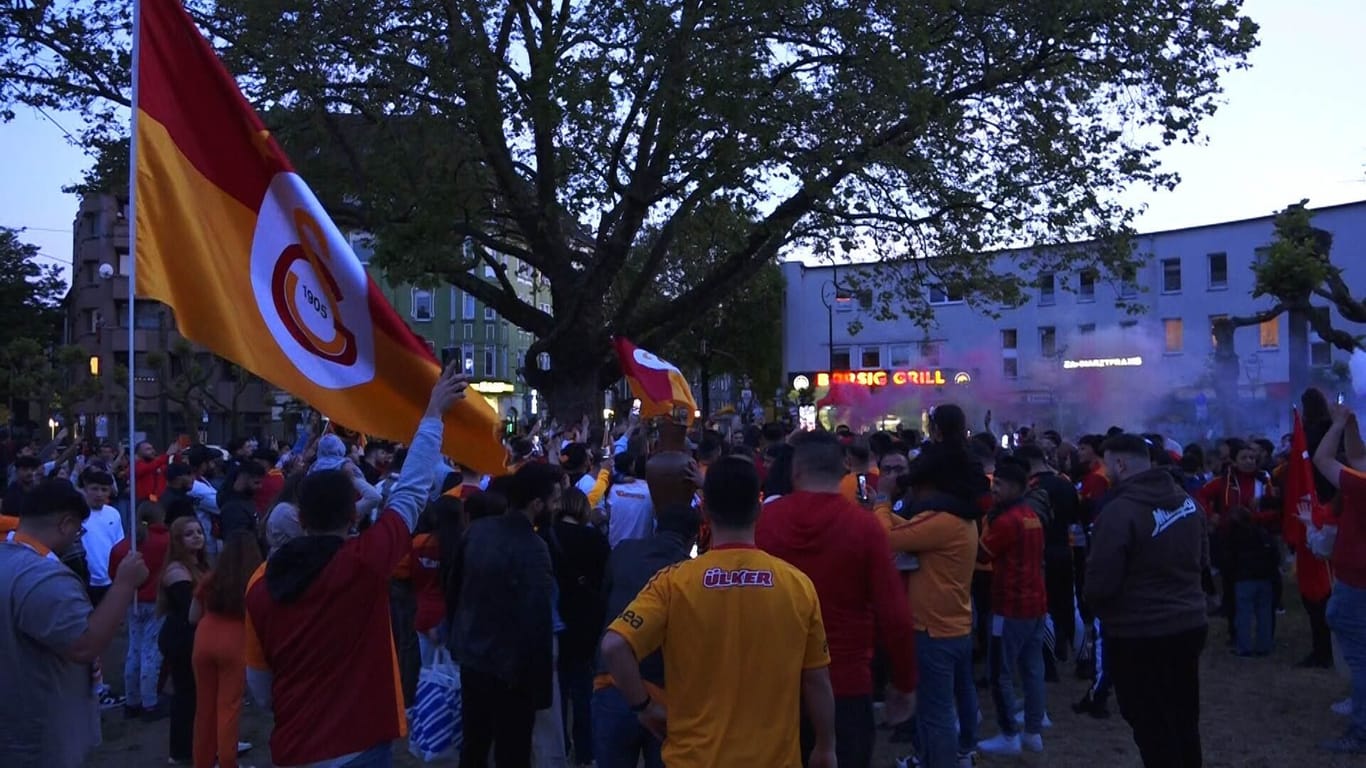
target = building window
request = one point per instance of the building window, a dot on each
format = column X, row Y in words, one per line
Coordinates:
column 490, row 314
column 1048, row 341
column 467, row 358
column 1269, row 333
column 899, row 356
column 1086, row 288
column 1086, row 329
column 839, row 359
column 422, row 304
column 1173, row 334
column 543, row 361
column 491, row 333
column 1128, row 325
column 545, row 309
column 1218, row 271
column 362, row 245
column 941, row 295
column 1128, row 283
column 872, row 358
column 1171, row 275
column 467, row 310
column 467, row 331
column 1260, row 255
column 1048, row 286
column 929, row 353
column 490, row 361
column 125, row 265
column 1010, row 352
column 455, row 306
column 844, row 300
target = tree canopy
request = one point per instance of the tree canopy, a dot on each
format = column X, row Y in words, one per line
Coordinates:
column 595, row 142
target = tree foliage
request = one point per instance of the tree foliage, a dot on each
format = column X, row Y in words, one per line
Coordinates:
column 1297, row 271
column 590, row 140
column 188, row 379
column 34, row 366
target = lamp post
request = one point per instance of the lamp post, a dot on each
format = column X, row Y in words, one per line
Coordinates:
column 52, row 426
column 829, row 295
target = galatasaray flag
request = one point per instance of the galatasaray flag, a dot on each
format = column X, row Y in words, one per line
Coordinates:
column 1299, row 478
column 234, row 241
column 658, row 385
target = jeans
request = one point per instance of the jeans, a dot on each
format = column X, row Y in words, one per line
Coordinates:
column 1157, row 683
column 1018, row 646
column 1317, row 611
column 855, row 732
column 619, row 740
column 381, row 756
column 1060, row 581
column 946, row 693
column 576, row 697
column 142, row 664
column 1347, row 617
column 1254, row 602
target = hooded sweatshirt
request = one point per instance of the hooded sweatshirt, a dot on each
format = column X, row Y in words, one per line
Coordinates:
column 843, row 549
column 1148, row 551
column 942, row 534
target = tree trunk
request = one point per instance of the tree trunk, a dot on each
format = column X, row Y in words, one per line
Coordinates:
column 1298, row 350
column 1226, row 375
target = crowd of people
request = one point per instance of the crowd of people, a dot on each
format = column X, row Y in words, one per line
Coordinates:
column 810, row 586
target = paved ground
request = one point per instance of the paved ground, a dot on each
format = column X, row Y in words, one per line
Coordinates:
column 1258, row 713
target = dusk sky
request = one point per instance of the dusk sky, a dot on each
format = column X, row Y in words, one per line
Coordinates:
column 1293, row 126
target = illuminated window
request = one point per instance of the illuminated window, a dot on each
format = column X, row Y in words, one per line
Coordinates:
column 1269, row 333
column 1173, row 334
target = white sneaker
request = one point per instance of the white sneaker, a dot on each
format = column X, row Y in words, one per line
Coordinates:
column 1020, row 717
column 1343, row 707
column 243, row 747
column 1001, row 744
column 967, row 760
column 1032, row 742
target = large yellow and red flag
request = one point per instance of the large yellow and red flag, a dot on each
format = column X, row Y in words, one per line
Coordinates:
column 658, row 384
column 234, row 241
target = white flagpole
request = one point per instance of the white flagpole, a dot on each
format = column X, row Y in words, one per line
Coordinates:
column 132, row 282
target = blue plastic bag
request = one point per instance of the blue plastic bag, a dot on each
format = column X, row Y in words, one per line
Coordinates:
column 435, row 731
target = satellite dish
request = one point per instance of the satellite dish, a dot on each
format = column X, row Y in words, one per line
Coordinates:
column 106, row 271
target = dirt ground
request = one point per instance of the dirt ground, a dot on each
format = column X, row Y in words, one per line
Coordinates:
column 1256, row 713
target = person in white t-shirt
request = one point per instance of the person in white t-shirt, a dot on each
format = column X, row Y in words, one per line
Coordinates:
column 630, row 511
column 201, row 459
column 103, row 529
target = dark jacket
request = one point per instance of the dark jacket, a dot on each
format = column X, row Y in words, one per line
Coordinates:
column 1063, row 509
column 1149, row 547
column 579, row 555
column 632, row 564
column 1252, row 553
column 236, row 512
column 498, row 603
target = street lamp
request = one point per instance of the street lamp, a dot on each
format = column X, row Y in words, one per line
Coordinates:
column 52, row 427
column 94, row 365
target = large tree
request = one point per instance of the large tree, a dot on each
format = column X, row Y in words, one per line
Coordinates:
column 35, row 368
column 588, row 139
column 1296, row 272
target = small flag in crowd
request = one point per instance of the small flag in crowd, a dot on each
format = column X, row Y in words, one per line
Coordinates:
column 658, row 384
column 1299, row 479
column 234, row 241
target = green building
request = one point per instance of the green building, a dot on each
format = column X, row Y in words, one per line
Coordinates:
column 458, row 327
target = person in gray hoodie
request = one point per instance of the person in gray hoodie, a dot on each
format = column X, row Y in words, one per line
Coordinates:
column 1149, row 548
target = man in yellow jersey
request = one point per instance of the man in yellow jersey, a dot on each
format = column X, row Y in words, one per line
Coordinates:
column 744, row 648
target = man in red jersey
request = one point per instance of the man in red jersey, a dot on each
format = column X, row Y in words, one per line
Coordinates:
column 319, row 648
column 843, row 549
column 1014, row 544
